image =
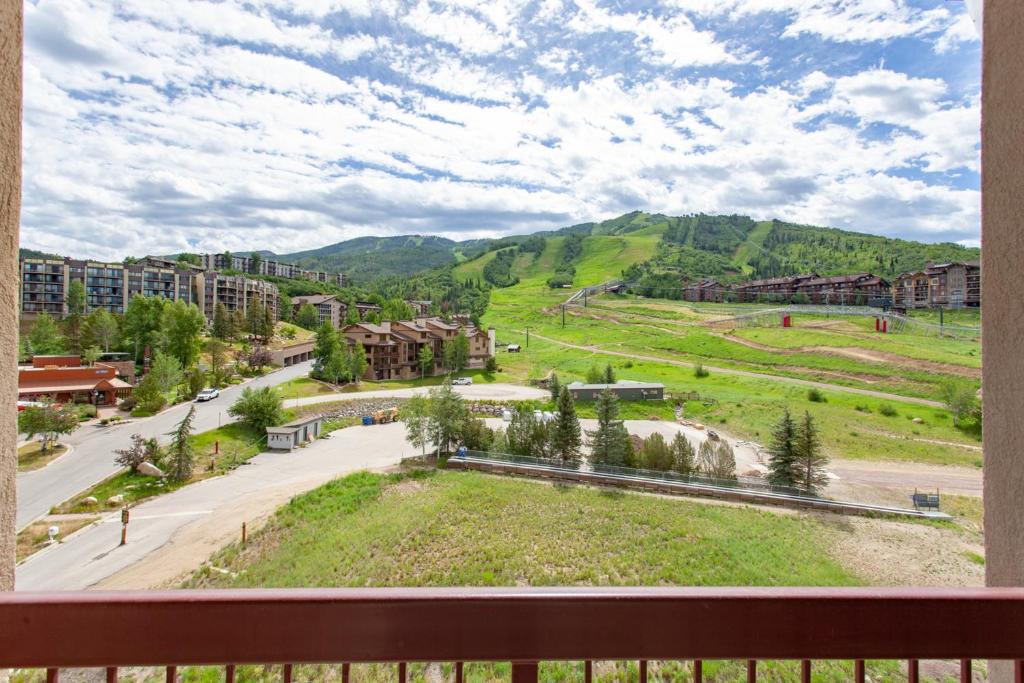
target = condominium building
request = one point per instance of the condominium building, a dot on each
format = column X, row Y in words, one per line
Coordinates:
column 44, row 284
column 945, row 284
column 244, row 263
column 327, row 306
column 235, row 292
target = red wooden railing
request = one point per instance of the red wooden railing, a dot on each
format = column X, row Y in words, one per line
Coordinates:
column 523, row 626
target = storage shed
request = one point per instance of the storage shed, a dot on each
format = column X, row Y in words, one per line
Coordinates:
column 627, row 391
column 288, row 436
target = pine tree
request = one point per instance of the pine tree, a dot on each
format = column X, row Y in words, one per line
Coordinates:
column 682, row 455
column 566, row 439
column 809, row 467
column 180, row 453
column 609, row 443
column 782, row 452
column 554, row 386
column 609, row 374
column 223, row 323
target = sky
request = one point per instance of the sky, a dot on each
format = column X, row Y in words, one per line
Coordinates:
column 159, row 126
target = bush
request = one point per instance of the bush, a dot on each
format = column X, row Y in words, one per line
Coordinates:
column 259, row 408
column 815, row 396
column 699, row 371
column 491, row 364
column 888, row 411
column 128, row 404
column 862, row 409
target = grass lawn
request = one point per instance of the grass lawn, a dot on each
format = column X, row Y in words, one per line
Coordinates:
column 31, row 457
column 236, row 443
column 303, row 387
column 33, row 538
column 469, row 529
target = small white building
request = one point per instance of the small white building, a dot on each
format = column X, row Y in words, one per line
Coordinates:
column 288, row 436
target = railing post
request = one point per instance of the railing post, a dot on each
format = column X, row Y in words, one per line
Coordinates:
column 751, row 671
column 346, row 669
column 698, row 671
column 524, row 672
column 643, row 671
column 588, row 671
column 805, row 671
column 286, row 673
column 111, row 674
column 229, row 673
column 458, row 672
column 53, row 676
column 858, row 671
column 913, row 671
column 965, row 671
column 172, row 674
column 401, row 672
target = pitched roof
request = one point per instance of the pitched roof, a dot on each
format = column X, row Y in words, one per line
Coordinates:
column 313, row 299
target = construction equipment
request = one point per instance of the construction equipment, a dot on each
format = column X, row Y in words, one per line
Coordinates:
column 386, row 415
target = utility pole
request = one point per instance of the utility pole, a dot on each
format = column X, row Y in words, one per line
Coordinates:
column 563, row 315
column 527, row 336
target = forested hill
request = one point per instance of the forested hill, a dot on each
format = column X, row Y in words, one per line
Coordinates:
column 364, row 259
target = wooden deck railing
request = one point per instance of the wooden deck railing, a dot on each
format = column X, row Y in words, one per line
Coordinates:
column 523, row 626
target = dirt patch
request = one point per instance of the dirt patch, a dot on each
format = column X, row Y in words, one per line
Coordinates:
column 866, row 356
column 406, row 487
column 888, row 553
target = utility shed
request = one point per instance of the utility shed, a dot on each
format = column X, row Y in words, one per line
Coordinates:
column 625, row 390
column 288, row 436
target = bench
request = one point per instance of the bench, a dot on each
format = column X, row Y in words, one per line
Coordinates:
column 925, row 500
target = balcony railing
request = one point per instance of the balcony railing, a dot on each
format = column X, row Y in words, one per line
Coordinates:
column 522, row 626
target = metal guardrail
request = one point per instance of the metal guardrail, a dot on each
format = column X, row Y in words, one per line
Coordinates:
column 629, row 477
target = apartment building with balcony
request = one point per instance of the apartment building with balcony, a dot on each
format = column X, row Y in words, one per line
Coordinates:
column 855, row 288
column 328, row 307
column 236, row 292
column 43, row 284
column 393, row 347
column 244, row 264
column 952, row 285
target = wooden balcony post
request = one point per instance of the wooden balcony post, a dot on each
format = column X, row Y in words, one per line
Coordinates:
column 10, row 212
column 1002, row 321
column 524, row 672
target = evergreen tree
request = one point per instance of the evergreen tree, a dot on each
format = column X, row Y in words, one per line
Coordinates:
column 44, row 337
column 358, row 362
column 554, row 386
column 351, row 312
column 180, row 453
column 609, row 443
column 254, row 318
column 566, row 439
column 426, row 360
column 656, row 454
column 284, row 307
column 72, row 322
column 520, row 431
column 682, row 455
column 255, row 261
column 223, row 323
column 782, row 452
column 307, row 317
column 609, row 374
column 809, row 470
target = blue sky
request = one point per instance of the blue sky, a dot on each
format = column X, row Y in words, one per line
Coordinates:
column 161, row 125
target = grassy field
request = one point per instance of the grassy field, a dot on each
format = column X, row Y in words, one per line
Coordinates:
column 32, row 457
column 236, row 443
column 468, row 529
column 304, row 387
column 35, row 536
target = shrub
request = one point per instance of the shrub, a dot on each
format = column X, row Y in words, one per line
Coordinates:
column 491, row 364
column 814, row 395
column 862, row 409
column 259, row 408
column 128, row 404
column 888, row 410
column 699, row 371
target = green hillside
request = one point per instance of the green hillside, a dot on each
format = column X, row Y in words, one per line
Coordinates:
column 367, row 258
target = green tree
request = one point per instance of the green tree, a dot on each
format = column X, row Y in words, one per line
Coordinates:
column 416, row 416
column 134, row 455
column 358, row 362
column 195, row 380
column 959, row 398
column 656, row 453
column 609, row 443
column 284, row 307
column 782, row 452
column 351, row 312
column 609, row 375
column 554, row 386
column 48, row 421
column 217, row 352
column 255, row 261
column 91, row 354
column 682, row 455
column 180, row 452
column 307, row 317
column 566, row 438
column 520, row 431
column 148, row 396
column 325, row 346
column 448, row 355
column 143, row 320
column 100, row 328
column 166, row 372
column 448, row 415
column 182, row 326
column 716, row 459
column 396, row 309
column 339, row 366
column 258, row 408
column 72, row 323
column 256, row 319
column 426, row 360
column 809, row 467
column 223, row 323
column 44, row 337
column 594, row 375
column 460, row 356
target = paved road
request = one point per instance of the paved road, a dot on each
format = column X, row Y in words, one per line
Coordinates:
column 488, row 392
column 92, row 459
column 172, row 534
column 747, row 373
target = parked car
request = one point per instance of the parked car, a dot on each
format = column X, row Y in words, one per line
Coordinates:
column 462, row 381
column 208, row 394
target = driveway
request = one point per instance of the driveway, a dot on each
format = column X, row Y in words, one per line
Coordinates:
column 92, row 459
column 480, row 392
column 173, row 534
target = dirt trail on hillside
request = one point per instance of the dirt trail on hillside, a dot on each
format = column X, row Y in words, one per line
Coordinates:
column 864, row 355
column 592, row 348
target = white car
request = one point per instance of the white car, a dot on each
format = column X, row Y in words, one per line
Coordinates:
column 207, row 394
column 462, row 381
